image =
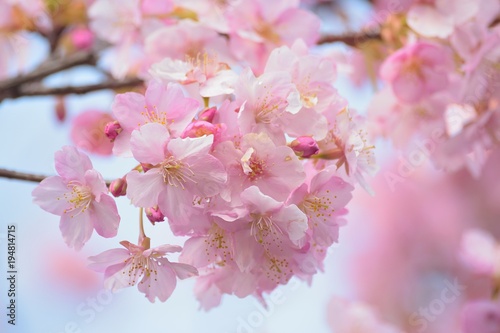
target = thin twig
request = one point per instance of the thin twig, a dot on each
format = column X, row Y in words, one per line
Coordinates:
column 11, row 174
column 10, row 87
column 353, row 39
column 51, row 66
column 78, row 90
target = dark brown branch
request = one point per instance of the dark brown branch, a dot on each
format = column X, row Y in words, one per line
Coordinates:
column 353, row 39
column 78, row 90
column 11, row 174
column 49, row 67
column 10, row 87
column 4, row 173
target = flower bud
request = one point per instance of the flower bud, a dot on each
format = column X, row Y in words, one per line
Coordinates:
column 304, row 146
column 118, row 187
column 112, row 130
column 208, row 114
column 60, row 109
column 154, row 215
column 82, row 38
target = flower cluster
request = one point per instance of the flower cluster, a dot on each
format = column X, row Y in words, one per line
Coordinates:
column 442, row 80
column 144, row 32
column 256, row 169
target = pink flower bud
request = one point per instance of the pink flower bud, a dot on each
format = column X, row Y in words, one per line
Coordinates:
column 60, row 109
column 118, row 187
column 154, row 215
column 82, row 38
column 199, row 128
column 481, row 316
column 208, row 114
column 112, row 130
column 304, row 146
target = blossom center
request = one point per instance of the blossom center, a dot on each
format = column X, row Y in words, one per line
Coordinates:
column 79, row 198
column 318, row 208
column 266, row 31
column 253, row 166
column 152, row 115
column 263, row 227
column 176, row 173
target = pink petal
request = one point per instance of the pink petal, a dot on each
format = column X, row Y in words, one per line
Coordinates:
column 194, row 253
column 94, row 180
column 258, row 202
column 176, row 204
column 127, row 109
column 76, row 230
column 49, row 195
column 294, row 220
column 121, row 276
column 144, row 188
column 105, row 217
column 182, row 148
column 160, row 284
column 71, row 164
column 184, row 271
column 297, row 23
column 408, row 88
column 108, row 258
column 209, row 174
column 148, row 143
column 429, row 22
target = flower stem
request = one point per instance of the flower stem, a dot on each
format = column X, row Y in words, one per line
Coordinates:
column 144, row 240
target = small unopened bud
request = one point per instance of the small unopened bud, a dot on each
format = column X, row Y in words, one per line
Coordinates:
column 208, row 114
column 199, row 128
column 60, row 109
column 118, row 187
column 112, row 129
column 304, row 146
column 82, row 38
column 154, row 215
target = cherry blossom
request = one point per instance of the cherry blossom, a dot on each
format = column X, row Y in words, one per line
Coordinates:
column 162, row 104
column 180, row 170
column 79, row 196
column 87, row 132
column 147, row 267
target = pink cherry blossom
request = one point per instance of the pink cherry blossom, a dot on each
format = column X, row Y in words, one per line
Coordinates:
column 82, row 38
column 324, row 205
column 79, row 196
column 347, row 144
column 214, row 77
column 185, row 39
column 263, row 101
column 180, row 169
column 125, row 267
column 258, row 161
column 87, row 132
column 162, row 104
column 258, row 26
column 438, row 18
column 418, row 70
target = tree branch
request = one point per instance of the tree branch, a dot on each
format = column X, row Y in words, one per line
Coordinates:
column 352, row 39
column 9, row 87
column 78, row 90
column 4, row 173
column 11, row 174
